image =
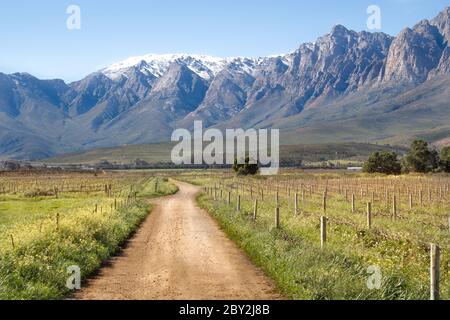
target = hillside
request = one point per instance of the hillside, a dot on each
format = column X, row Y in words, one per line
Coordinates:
column 347, row 86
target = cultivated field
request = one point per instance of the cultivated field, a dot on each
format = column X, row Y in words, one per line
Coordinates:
column 337, row 236
column 318, row 235
column 51, row 222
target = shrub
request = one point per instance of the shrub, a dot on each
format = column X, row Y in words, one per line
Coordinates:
column 421, row 159
column 245, row 169
column 445, row 159
column 383, row 162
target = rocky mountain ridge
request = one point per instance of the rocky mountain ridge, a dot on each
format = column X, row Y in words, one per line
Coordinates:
column 142, row 99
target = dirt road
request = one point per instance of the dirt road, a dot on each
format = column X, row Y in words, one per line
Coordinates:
column 179, row 253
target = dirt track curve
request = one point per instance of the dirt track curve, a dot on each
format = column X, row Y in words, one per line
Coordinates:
column 179, row 253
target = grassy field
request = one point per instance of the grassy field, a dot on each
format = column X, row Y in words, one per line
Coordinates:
column 397, row 242
column 49, row 223
column 153, row 153
column 346, row 153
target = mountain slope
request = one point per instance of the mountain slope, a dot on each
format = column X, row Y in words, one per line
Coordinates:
column 347, row 86
column 385, row 115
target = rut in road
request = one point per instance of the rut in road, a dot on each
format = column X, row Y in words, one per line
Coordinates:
column 180, row 253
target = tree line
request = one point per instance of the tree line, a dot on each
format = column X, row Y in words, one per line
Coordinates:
column 420, row 159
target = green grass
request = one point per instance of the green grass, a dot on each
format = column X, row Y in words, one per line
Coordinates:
column 35, row 267
column 157, row 187
column 299, row 268
column 16, row 210
column 302, row 270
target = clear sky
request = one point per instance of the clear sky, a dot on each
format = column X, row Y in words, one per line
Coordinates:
column 35, row 39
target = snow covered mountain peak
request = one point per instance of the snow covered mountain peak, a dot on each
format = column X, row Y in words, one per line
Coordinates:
column 205, row 66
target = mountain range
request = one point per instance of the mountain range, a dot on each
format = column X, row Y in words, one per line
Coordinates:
column 346, row 86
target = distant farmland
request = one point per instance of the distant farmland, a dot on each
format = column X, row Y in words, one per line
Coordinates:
column 160, row 153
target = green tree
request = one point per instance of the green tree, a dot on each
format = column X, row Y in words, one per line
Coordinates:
column 445, row 159
column 245, row 169
column 421, row 158
column 383, row 162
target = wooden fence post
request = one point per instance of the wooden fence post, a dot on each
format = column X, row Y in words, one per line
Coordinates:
column 57, row 221
column 324, row 202
column 277, row 217
column 277, row 199
column 296, row 204
column 353, row 203
column 434, row 271
column 12, row 241
column 394, row 207
column 421, row 197
column 238, row 208
column 255, row 210
column 323, row 231
column 369, row 215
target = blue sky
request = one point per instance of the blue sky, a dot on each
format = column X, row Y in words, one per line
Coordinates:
column 34, row 37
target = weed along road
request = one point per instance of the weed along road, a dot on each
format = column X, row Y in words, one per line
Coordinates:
column 180, row 253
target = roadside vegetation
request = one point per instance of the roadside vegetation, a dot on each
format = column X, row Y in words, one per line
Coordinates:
column 48, row 224
column 397, row 242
